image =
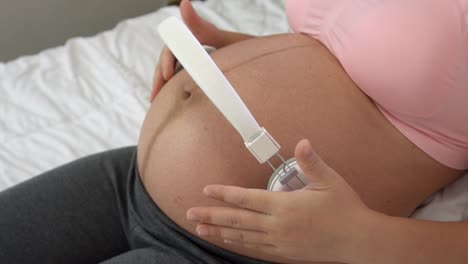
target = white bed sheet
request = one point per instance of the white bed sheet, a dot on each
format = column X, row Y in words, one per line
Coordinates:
column 92, row 94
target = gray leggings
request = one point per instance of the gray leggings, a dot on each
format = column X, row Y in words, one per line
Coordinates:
column 96, row 210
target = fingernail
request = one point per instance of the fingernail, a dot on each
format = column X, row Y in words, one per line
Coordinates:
column 227, row 241
column 191, row 216
column 307, row 150
column 207, row 191
column 202, row 231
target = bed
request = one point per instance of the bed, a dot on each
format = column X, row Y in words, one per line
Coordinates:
column 92, row 94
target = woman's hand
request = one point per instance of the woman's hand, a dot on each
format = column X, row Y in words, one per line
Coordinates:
column 321, row 222
column 205, row 32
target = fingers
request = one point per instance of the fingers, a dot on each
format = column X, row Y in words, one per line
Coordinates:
column 188, row 13
column 158, row 83
column 318, row 172
column 232, row 235
column 252, row 199
column 205, row 32
column 267, row 248
column 229, row 217
column 167, row 63
column 164, row 71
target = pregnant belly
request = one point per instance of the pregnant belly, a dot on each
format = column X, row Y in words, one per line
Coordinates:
column 296, row 89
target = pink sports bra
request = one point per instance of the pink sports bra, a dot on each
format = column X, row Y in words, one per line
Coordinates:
column 409, row 56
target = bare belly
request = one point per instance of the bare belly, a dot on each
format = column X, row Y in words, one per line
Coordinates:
column 296, row 89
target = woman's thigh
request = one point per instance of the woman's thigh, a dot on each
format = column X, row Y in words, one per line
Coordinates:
column 67, row 215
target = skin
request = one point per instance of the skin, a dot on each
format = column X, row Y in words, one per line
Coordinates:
column 328, row 214
column 331, row 218
column 186, row 144
column 205, row 32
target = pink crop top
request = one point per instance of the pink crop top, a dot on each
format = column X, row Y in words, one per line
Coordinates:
column 409, row 56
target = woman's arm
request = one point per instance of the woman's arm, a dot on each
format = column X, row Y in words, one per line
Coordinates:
column 325, row 221
column 402, row 240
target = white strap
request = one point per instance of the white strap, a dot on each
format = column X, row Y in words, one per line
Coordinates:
column 196, row 61
column 199, row 65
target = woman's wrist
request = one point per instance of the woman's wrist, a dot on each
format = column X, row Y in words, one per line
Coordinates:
column 388, row 239
column 370, row 229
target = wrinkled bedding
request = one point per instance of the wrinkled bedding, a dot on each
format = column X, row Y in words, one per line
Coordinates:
column 91, row 95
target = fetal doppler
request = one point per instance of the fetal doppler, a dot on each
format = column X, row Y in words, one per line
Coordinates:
column 206, row 74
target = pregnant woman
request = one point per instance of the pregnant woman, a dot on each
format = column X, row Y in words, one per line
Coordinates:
column 129, row 205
